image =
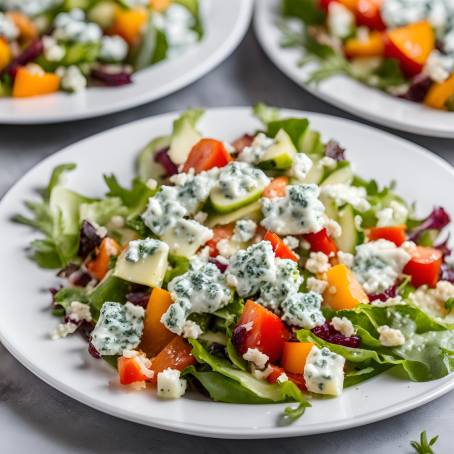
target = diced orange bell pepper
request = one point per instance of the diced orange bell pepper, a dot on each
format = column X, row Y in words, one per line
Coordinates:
column 374, row 46
column 424, row 266
column 222, row 232
column 5, row 54
column 343, row 290
column 175, row 355
column 280, row 249
column 29, row 83
column 160, row 5
column 27, row 29
column 411, row 45
column 99, row 266
column 294, row 356
column 205, row 155
column 129, row 371
column 439, row 93
column 277, row 188
column 129, row 23
column 155, row 335
column 395, row 234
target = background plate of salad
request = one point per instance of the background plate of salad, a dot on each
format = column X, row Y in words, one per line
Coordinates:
column 234, row 273
column 63, row 60
column 388, row 61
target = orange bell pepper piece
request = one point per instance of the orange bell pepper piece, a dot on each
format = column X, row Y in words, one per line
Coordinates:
column 27, row 29
column 160, row 5
column 34, row 83
column 439, row 93
column 129, row 23
column 374, row 46
column 294, row 356
column 99, row 266
column 155, row 335
column 343, row 290
column 5, row 54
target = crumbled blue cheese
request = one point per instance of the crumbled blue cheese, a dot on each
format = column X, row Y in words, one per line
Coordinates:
column 202, row 289
column 72, row 27
column 72, row 79
column 340, row 20
column 377, row 265
column 141, row 249
column 227, row 247
column 191, row 330
column 118, row 328
column 342, row 193
column 316, row 285
column 333, row 229
column 318, row 263
column 52, row 50
column 300, row 167
column 113, row 49
column 390, row 337
column 244, row 230
column 299, row 211
column 287, row 281
column 8, row 28
column 249, row 269
column 346, row 258
column 255, row 152
column 291, row 242
column 395, row 214
column 186, row 237
column 324, row 372
column 438, row 66
column 256, row 357
column 29, row 7
column 303, row 310
column 238, row 179
column 343, row 325
column 170, row 385
column 76, row 313
column 432, row 300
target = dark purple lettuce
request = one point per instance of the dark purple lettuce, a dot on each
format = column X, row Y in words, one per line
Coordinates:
column 335, row 151
column 328, row 333
column 139, row 298
column 163, row 158
column 438, row 219
column 89, row 239
column 444, row 246
column 29, row 54
column 419, row 86
column 111, row 79
column 219, row 265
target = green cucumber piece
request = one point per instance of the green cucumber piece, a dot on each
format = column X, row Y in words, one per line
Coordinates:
column 280, row 155
column 315, row 175
column 330, row 207
column 349, row 238
column 342, row 175
column 252, row 211
column 146, row 166
column 224, row 205
column 311, row 143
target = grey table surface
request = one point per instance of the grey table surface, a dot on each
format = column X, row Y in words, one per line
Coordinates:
column 36, row 418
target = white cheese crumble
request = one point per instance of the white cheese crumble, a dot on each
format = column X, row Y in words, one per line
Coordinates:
column 29, row 7
column 346, row 258
column 262, row 374
column 318, row 263
column 170, row 385
column 377, row 265
column 256, row 357
column 390, row 337
column 244, row 230
column 303, row 310
column 72, row 27
column 324, row 372
column 340, row 20
column 432, row 300
column 343, row 193
column 76, row 313
column 333, row 229
column 299, row 211
column 72, row 79
column 327, row 162
column 52, row 50
column 191, row 330
column 8, row 28
column 118, row 328
column 227, row 247
column 254, row 153
column 141, row 249
column 438, row 66
column 282, row 378
column 301, row 166
column 291, row 242
column 343, row 325
column 113, row 49
column 395, row 214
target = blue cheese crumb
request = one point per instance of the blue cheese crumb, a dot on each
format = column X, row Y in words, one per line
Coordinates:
column 170, row 385
column 303, row 310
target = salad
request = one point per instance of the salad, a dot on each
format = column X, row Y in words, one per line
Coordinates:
column 52, row 45
column 403, row 47
column 256, row 271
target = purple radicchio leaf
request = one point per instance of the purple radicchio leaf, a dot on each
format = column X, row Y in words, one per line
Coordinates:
column 438, row 219
column 163, row 158
column 335, row 151
column 447, row 273
column 29, row 54
column 89, row 239
column 328, row 333
column 391, row 292
column 219, row 265
column 111, row 79
column 139, row 298
column 419, row 86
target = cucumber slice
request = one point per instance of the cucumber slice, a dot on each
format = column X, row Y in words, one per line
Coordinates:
column 330, row 207
column 147, row 167
column 315, row 175
column 311, row 143
column 342, row 175
column 224, row 205
column 252, row 211
column 280, row 155
column 349, row 238
column 147, row 271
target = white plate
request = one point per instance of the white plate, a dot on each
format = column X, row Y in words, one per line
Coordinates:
column 25, row 319
column 344, row 92
column 226, row 23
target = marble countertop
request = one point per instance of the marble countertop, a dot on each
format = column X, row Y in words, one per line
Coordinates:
column 36, row 418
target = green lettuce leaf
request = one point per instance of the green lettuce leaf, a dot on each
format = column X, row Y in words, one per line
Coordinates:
column 102, row 211
column 308, row 11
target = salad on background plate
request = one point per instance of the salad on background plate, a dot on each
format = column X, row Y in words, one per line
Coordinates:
column 52, row 45
column 403, row 47
column 258, row 271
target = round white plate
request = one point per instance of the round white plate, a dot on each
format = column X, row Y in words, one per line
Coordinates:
column 347, row 93
column 26, row 322
column 226, row 23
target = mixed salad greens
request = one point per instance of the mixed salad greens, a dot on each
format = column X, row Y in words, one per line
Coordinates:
column 404, row 47
column 262, row 270
column 51, row 45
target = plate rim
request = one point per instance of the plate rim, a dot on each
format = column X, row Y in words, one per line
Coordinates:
column 445, row 385
column 186, row 78
column 262, row 11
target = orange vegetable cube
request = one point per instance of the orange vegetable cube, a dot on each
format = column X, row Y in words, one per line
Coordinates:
column 5, row 54
column 372, row 47
column 439, row 93
column 129, row 23
column 27, row 29
column 99, row 266
column 294, row 356
column 30, row 82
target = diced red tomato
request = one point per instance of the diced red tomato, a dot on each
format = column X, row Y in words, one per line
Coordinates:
column 242, row 142
column 279, row 247
column 277, row 188
column 424, row 266
column 206, row 154
column 277, row 371
column 175, row 355
column 321, row 242
column 368, row 14
column 261, row 329
column 129, row 371
column 298, row 379
column 222, row 232
column 395, row 234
